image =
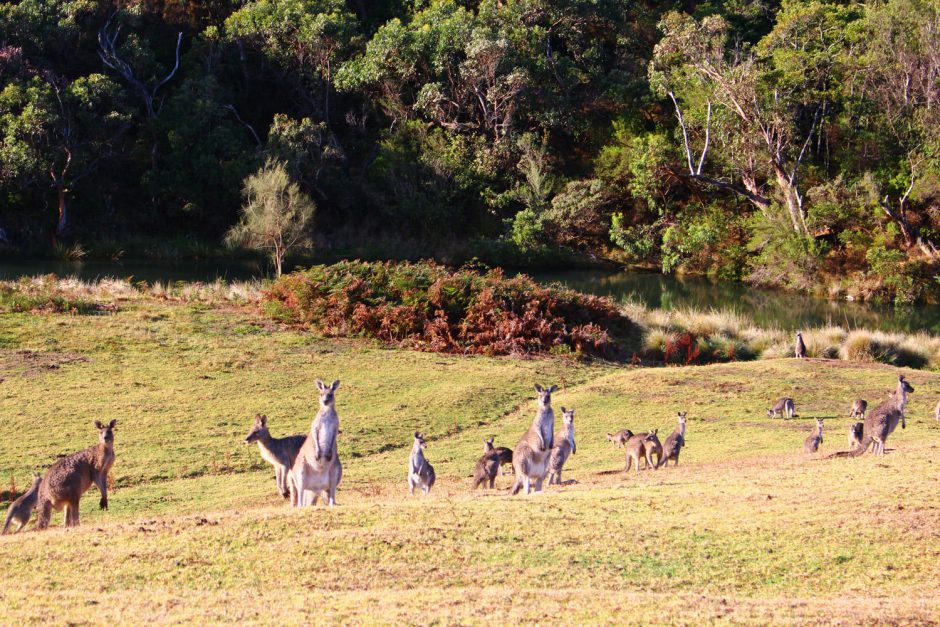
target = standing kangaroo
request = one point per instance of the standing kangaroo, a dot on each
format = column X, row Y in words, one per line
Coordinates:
column 637, row 449
column 564, row 446
column 530, row 459
column 783, row 406
column 811, row 444
column 70, row 477
column 800, row 347
column 856, row 434
column 674, row 442
column 22, row 508
column 882, row 421
column 859, row 406
column 420, row 472
column 279, row 452
column 487, row 466
column 317, row 468
column 619, row 439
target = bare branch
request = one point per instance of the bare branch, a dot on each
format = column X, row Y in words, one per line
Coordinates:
column 685, row 134
column 708, row 124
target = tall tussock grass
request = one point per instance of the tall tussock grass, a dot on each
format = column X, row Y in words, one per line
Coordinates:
column 729, row 336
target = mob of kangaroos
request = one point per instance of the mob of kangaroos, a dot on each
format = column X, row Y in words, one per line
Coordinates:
column 881, row 422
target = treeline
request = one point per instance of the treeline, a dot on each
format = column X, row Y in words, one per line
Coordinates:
column 791, row 144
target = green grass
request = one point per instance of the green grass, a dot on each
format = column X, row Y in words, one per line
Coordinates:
column 747, row 529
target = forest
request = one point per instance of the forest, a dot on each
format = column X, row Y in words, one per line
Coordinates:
column 789, row 144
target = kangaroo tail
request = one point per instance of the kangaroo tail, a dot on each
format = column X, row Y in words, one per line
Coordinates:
column 6, row 524
column 45, row 514
column 516, row 486
column 857, row 451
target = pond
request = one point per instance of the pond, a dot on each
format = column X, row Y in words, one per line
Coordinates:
column 768, row 308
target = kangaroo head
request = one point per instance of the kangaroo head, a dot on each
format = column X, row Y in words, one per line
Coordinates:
column 36, row 478
column 567, row 416
column 682, row 415
column 258, row 430
column 105, row 431
column 819, row 424
column 419, row 440
column 488, row 445
column 545, row 395
column 904, row 385
column 327, row 392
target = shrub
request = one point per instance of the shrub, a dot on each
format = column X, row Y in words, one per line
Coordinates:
column 428, row 307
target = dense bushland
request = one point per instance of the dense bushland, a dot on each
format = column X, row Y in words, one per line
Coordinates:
column 790, row 143
column 428, row 307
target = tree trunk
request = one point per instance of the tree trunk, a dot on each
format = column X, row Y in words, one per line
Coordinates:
column 791, row 198
column 62, row 222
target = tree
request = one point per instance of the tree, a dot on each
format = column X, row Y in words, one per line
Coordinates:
column 276, row 214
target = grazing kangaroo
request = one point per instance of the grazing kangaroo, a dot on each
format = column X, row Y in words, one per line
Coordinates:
column 22, row 508
column 674, row 443
column 71, row 476
column 279, row 452
column 811, row 444
column 856, row 433
column 881, row 422
column 564, row 446
column 420, row 472
column 637, row 449
column 619, row 439
column 487, row 466
column 859, row 406
column 530, row 459
column 784, row 406
column 317, row 468
column 800, row 348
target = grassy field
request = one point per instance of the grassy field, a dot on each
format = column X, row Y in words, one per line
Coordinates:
column 748, row 529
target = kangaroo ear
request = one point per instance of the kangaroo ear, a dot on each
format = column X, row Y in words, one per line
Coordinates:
column 320, row 384
column 334, row 385
column 538, row 388
column 263, row 419
column 112, row 423
column 552, row 389
column 98, row 424
column 417, row 435
column 563, row 409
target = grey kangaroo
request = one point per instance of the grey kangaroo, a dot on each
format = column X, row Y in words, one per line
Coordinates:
column 799, row 348
column 856, row 434
column 859, row 406
column 811, row 444
column 638, row 447
column 279, row 452
column 22, row 508
column 487, row 466
column 530, row 458
column 881, row 422
column 505, row 455
column 420, row 471
column 674, row 442
column 619, row 439
column 564, row 446
column 317, row 468
column 70, row 477
column 783, row 406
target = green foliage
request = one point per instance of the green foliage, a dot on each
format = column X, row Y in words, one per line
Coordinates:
column 892, row 267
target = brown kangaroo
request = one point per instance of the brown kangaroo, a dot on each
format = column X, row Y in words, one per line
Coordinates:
column 505, row 455
column 859, row 406
column 619, row 439
column 279, row 452
column 70, row 477
column 881, row 422
column 674, row 442
column 487, row 466
column 856, row 434
column 642, row 446
column 811, row 444
column 530, row 459
column 22, row 508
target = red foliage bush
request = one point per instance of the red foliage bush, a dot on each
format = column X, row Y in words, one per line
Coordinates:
column 429, row 307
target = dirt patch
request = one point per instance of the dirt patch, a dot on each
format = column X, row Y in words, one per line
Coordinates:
column 26, row 363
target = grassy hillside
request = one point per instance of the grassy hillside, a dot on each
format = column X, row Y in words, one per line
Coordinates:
column 747, row 529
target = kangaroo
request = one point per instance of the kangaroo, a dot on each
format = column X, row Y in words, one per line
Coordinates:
column 564, row 446
column 420, row 472
column 505, row 455
column 22, row 508
column 317, row 468
column 279, row 452
column 619, row 439
column 636, row 449
column 859, row 406
column 784, row 406
column 71, row 476
column 881, row 422
column 800, row 348
column 530, row 459
column 856, row 433
column 811, row 444
column 487, row 466
column 674, row 443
